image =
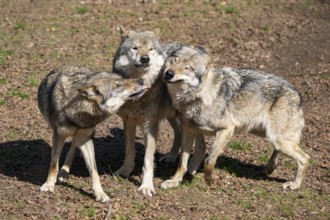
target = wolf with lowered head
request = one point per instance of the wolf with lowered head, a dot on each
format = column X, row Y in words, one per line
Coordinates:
column 73, row 100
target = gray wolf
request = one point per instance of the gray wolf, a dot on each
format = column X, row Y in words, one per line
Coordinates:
column 142, row 56
column 227, row 101
column 73, row 100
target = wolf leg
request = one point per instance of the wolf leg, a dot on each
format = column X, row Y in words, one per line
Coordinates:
column 187, row 142
column 58, row 142
column 293, row 150
column 272, row 162
column 199, row 154
column 87, row 150
column 172, row 156
column 150, row 139
column 222, row 138
column 65, row 169
column 129, row 161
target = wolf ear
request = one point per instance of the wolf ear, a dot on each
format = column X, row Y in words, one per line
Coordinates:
column 90, row 92
column 124, row 34
column 200, row 49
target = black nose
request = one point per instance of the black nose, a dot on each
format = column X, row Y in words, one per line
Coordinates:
column 144, row 59
column 140, row 82
column 169, row 74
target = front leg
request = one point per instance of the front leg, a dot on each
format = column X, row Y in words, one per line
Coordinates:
column 187, row 142
column 150, row 139
column 221, row 139
column 87, row 150
column 129, row 162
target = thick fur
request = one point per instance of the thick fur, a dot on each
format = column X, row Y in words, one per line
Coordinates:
column 226, row 101
column 73, row 100
column 140, row 55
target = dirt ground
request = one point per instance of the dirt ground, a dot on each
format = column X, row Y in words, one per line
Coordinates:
column 290, row 38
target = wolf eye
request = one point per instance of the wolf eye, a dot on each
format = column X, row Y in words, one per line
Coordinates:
column 187, row 67
column 134, row 48
column 151, row 48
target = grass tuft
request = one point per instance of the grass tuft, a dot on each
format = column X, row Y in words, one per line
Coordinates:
column 81, row 10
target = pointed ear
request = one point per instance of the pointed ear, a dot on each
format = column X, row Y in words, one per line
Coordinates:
column 124, row 34
column 201, row 49
column 89, row 91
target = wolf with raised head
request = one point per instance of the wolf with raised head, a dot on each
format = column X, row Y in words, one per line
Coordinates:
column 226, row 101
column 142, row 56
column 73, row 100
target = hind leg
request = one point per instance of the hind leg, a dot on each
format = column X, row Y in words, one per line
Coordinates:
column 199, row 154
column 65, row 169
column 58, row 142
column 272, row 162
column 293, row 150
column 172, row 156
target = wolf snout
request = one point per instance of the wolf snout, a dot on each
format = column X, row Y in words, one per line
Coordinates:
column 145, row 59
column 168, row 75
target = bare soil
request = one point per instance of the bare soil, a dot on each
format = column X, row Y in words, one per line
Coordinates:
column 289, row 38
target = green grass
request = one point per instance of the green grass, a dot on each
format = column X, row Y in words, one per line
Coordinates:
column 3, row 101
column 4, row 54
column 309, row 93
column 88, row 211
column 245, row 204
column 266, row 28
column 231, row 10
column 20, row 26
column 81, row 10
column 18, row 93
column 3, row 81
column 32, row 80
column 263, row 158
column 236, row 145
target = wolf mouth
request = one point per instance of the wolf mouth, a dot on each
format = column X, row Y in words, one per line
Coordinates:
column 141, row 65
column 139, row 93
column 176, row 81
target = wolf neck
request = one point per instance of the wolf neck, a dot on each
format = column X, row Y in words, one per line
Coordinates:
column 89, row 113
column 205, row 93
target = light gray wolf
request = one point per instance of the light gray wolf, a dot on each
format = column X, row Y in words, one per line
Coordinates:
column 73, row 100
column 142, row 56
column 227, row 101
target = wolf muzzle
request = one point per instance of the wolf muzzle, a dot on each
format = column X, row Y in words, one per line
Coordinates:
column 168, row 75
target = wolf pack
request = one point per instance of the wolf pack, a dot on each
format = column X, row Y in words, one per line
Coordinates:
column 151, row 81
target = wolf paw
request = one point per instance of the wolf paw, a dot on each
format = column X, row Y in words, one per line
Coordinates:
column 62, row 175
column 169, row 159
column 209, row 178
column 46, row 187
column 268, row 169
column 170, row 184
column 147, row 190
column 291, row 185
column 123, row 171
column 101, row 197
